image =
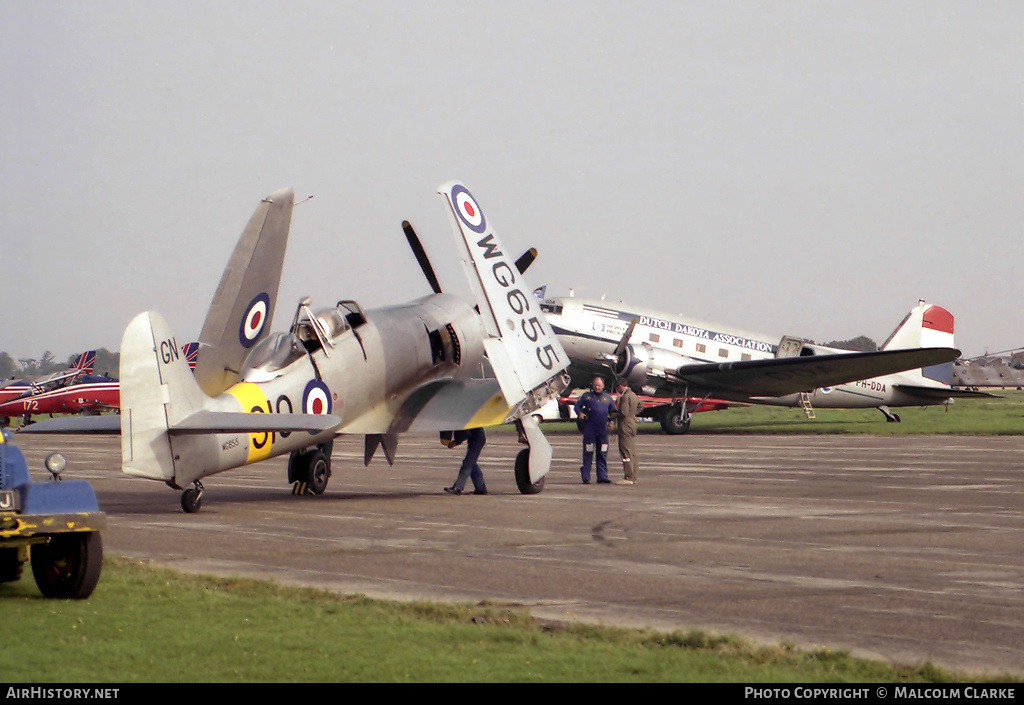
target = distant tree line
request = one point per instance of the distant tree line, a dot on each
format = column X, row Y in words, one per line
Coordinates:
column 861, row 343
column 106, row 364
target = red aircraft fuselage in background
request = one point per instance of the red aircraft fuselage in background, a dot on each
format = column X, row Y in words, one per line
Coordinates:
column 88, row 394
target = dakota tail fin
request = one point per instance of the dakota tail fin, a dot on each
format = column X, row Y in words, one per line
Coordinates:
column 243, row 307
column 926, row 326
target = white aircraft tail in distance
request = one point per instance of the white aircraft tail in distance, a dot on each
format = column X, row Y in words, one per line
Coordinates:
column 667, row 355
column 927, row 326
column 380, row 373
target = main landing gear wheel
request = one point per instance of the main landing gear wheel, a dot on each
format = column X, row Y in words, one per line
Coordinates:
column 68, row 566
column 673, row 421
column 309, row 471
column 192, row 499
column 523, row 474
column 318, row 471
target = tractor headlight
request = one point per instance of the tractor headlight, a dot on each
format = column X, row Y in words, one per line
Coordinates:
column 55, row 463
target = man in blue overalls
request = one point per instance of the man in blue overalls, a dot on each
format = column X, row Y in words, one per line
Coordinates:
column 595, row 407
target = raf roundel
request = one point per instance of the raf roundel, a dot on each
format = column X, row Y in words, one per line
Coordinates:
column 469, row 212
column 254, row 320
column 316, row 399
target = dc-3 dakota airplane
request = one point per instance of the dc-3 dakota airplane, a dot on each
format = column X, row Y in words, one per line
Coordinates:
column 665, row 355
column 339, row 370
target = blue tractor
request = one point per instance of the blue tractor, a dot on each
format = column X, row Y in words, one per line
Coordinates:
column 55, row 525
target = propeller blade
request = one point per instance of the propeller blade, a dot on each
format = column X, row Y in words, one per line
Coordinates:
column 421, row 256
column 526, row 259
column 621, row 347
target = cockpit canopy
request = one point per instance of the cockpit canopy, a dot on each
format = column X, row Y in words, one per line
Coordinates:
column 310, row 332
column 270, row 356
column 331, row 322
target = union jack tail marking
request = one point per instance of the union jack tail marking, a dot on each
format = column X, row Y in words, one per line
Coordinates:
column 191, row 351
column 86, row 361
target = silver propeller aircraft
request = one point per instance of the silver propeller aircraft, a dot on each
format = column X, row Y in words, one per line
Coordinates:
column 338, row 370
column 666, row 355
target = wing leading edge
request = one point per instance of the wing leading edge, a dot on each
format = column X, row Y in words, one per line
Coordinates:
column 776, row 377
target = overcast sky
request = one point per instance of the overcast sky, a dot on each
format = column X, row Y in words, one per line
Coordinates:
column 803, row 168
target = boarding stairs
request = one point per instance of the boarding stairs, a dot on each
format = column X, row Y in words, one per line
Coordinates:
column 805, row 404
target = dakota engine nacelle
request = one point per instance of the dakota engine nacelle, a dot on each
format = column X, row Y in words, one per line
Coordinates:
column 638, row 364
column 632, row 364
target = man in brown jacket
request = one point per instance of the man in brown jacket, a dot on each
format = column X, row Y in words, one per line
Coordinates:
column 628, row 406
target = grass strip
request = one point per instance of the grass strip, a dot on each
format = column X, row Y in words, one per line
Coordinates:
column 146, row 624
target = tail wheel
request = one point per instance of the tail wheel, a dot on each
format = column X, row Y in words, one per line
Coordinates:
column 523, row 474
column 68, row 566
column 191, row 500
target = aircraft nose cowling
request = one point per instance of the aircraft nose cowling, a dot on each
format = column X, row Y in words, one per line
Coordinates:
column 633, row 363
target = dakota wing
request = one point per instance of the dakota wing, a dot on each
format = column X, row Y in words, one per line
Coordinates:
column 778, row 377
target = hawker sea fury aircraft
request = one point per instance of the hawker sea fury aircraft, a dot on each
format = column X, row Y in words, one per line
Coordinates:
column 377, row 373
column 669, row 356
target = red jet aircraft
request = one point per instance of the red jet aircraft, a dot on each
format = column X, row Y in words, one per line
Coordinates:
column 73, row 391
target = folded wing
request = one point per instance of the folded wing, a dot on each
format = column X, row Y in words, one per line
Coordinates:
column 243, row 306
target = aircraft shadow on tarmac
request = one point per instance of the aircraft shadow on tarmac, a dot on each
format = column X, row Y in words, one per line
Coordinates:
column 148, row 504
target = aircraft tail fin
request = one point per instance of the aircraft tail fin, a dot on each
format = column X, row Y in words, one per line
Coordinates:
column 191, row 352
column 926, row 326
column 158, row 390
column 243, row 306
column 86, row 361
